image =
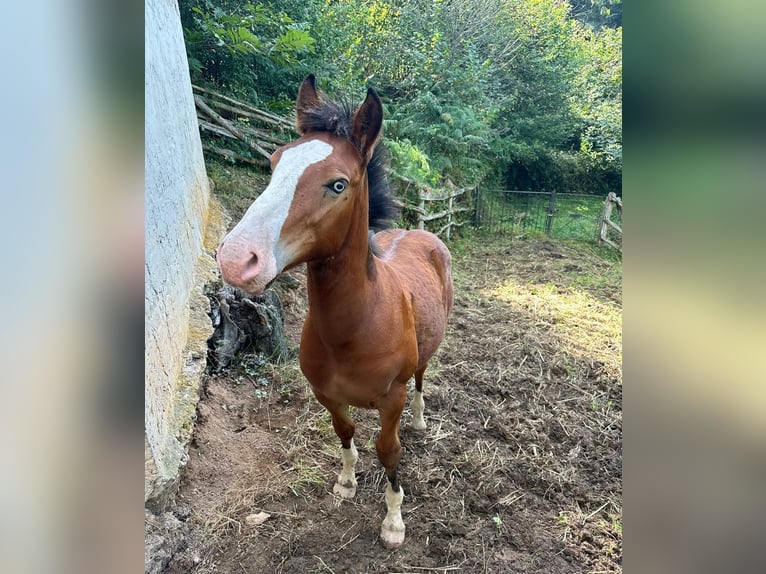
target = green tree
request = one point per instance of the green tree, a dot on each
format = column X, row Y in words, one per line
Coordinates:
column 240, row 46
column 523, row 93
column 598, row 13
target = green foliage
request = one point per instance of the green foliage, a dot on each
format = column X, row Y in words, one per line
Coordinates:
column 243, row 47
column 598, row 13
column 523, row 94
column 600, row 102
column 409, row 161
column 563, row 113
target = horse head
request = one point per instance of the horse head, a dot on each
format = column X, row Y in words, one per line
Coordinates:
column 317, row 183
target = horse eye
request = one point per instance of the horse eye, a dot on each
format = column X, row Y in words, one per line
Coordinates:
column 338, row 186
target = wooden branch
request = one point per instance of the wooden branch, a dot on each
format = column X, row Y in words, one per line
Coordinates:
column 446, row 197
column 447, row 227
column 266, row 116
column 229, row 126
column 414, row 208
column 409, row 207
column 257, row 135
column 433, row 216
column 614, row 225
column 241, row 112
column 258, row 132
column 265, row 135
column 205, row 125
column 606, row 220
column 429, row 194
column 407, row 180
column 609, row 242
column 392, row 173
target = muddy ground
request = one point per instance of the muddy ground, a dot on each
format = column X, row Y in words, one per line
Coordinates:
column 519, row 469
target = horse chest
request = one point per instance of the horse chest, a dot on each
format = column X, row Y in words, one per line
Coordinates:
column 355, row 376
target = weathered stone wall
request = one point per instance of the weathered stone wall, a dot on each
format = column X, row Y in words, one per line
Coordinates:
column 177, row 213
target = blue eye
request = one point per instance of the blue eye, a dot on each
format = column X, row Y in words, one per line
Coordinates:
column 338, row 186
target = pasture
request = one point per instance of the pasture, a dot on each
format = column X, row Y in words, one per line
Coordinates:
column 519, row 469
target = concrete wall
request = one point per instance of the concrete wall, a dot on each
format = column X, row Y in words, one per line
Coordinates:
column 177, row 198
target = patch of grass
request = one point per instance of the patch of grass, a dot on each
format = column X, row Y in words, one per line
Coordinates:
column 240, row 500
column 589, row 327
column 286, row 375
column 236, row 186
column 308, row 474
column 576, row 217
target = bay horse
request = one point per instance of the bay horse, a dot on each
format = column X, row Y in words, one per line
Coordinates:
column 378, row 303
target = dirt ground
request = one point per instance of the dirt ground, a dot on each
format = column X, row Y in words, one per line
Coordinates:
column 518, row 471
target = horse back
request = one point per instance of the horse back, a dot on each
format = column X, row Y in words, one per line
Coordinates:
column 423, row 266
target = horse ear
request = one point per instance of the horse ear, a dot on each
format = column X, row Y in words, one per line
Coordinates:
column 308, row 98
column 367, row 123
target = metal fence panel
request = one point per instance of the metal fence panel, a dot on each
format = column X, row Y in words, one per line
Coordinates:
column 559, row 215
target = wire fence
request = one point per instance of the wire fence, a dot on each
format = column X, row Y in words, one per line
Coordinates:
column 559, row 215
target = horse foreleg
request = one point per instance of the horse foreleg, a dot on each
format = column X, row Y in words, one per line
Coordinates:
column 345, row 487
column 389, row 452
column 418, row 406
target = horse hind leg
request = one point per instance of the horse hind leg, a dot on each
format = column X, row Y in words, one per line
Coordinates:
column 345, row 486
column 417, row 404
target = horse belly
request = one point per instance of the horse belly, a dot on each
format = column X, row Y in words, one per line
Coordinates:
column 430, row 336
column 357, row 379
column 361, row 387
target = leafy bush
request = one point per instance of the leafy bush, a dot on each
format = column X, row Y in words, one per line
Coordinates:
column 524, row 94
column 249, row 49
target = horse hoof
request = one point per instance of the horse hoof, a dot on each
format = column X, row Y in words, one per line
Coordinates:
column 392, row 538
column 418, row 424
column 344, row 491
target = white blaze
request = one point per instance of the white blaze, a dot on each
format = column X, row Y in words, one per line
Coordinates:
column 268, row 213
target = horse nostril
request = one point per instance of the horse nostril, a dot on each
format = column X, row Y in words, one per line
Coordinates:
column 251, row 268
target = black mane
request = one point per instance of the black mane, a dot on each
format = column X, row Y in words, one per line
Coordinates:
column 337, row 118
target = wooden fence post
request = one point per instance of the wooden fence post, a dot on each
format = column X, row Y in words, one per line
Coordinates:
column 425, row 193
column 551, row 211
column 606, row 221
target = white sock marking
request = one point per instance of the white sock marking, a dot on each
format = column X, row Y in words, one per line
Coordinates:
column 418, row 408
column 345, row 487
column 392, row 530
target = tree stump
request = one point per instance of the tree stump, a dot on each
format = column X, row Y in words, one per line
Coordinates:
column 245, row 324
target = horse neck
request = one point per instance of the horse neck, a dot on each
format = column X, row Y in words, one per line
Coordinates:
column 339, row 287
